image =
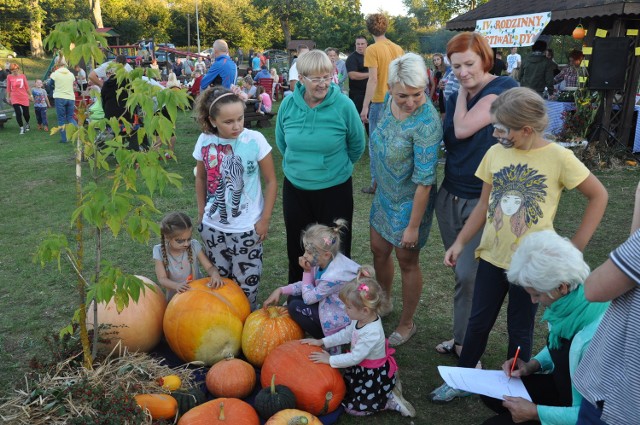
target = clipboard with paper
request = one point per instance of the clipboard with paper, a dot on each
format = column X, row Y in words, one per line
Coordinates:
column 492, row 383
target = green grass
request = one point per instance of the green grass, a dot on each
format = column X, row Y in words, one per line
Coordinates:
column 37, row 183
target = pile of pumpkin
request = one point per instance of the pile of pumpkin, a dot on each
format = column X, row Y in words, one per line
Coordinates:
column 213, row 326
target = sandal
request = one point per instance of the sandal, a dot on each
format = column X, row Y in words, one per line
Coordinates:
column 368, row 190
column 396, row 339
column 445, row 348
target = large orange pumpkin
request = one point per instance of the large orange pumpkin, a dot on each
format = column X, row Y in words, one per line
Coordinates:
column 318, row 388
column 221, row 411
column 264, row 330
column 232, row 378
column 205, row 324
column 138, row 326
column 293, row 417
column 160, row 406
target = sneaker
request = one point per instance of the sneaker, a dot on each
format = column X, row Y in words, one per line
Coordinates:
column 444, row 394
column 21, row 130
column 398, row 403
column 26, row 127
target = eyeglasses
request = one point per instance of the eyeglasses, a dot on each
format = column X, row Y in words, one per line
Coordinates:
column 319, row 80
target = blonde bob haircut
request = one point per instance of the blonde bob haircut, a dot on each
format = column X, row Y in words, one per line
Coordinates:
column 545, row 260
column 314, row 62
column 408, row 70
column 519, row 107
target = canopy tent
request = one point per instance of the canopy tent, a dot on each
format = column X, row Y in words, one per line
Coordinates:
column 612, row 17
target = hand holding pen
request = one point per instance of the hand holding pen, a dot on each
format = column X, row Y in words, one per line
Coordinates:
column 517, row 368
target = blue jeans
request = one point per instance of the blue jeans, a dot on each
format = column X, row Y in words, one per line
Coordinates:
column 375, row 112
column 64, row 111
column 590, row 414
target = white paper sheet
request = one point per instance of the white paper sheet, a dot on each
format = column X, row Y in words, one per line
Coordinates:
column 492, row 383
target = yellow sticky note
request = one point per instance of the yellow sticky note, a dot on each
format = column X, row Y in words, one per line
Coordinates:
column 637, row 51
column 601, row 33
column 582, row 79
column 585, row 63
column 632, row 32
column 587, row 50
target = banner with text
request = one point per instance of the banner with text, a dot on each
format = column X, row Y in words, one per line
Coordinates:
column 513, row 31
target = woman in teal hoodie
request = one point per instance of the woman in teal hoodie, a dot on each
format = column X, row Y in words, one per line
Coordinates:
column 320, row 136
column 551, row 269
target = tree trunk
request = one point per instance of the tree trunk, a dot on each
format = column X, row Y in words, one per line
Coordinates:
column 96, row 11
column 35, row 24
column 286, row 30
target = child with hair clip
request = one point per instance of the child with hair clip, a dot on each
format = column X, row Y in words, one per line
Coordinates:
column 314, row 303
column 370, row 371
column 178, row 256
column 234, row 214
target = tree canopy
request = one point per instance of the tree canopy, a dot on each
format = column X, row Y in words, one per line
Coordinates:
column 258, row 24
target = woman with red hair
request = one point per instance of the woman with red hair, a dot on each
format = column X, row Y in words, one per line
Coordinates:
column 467, row 137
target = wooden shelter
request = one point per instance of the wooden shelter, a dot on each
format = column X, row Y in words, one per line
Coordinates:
column 614, row 16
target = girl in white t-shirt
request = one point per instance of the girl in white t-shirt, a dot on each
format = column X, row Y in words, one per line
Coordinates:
column 233, row 213
column 178, row 256
column 370, row 371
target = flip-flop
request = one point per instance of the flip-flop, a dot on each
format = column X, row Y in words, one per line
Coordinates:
column 445, row 348
column 396, row 339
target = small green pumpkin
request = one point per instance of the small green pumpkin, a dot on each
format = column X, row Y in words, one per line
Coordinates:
column 270, row 400
column 188, row 398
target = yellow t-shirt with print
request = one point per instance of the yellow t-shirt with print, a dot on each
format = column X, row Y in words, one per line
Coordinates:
column 379, row 55
column 525, row 192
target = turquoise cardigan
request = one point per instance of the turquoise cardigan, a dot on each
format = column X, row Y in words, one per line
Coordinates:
column 556, row 415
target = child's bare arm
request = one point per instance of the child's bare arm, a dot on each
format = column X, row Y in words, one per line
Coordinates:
column 165, row 281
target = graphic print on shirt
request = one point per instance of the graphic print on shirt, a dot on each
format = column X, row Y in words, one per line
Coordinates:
column 224, row 177
column 517, row 192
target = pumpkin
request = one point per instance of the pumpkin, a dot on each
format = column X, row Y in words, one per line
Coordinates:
column 274, row 398
column 221, row 411
column 205, row 324
column 160, row 406
column 318, row 388
column 138, row 326
column 264, row 330
column 188, row 398
column 170, row 382
column 293, row 417
column 579, row 32
column 233, row 378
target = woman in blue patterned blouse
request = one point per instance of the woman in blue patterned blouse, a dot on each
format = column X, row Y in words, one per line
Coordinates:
column 404, row 155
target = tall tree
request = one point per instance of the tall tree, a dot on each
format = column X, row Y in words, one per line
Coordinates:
column 434, row 13
column 288, row 12
column 96, row 11
column 35, row 27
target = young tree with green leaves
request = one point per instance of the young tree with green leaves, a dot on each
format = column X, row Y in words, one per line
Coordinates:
column 117, row 197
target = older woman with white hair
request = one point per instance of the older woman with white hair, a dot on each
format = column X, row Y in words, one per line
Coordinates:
column 404, row 149
column 320, row 136
column 551, row 269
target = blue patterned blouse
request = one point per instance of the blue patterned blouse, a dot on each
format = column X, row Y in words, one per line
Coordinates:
column 404, row 154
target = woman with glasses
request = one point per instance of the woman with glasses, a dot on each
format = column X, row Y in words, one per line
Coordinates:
column 404, row 149
column 320, row 136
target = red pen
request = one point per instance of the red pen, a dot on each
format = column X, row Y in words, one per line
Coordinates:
column 515, row 360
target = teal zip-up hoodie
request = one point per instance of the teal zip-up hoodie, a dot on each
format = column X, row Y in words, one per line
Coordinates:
column 319, row 145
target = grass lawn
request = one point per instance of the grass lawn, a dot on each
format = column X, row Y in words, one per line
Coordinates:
column 37, row 179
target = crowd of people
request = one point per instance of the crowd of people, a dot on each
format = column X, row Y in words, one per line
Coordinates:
column 495, row 208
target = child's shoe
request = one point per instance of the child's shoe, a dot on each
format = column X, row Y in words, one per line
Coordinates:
column 39, row 126
column 21, row 130
column 46, row 128
column 444, row 394
column 398, row 403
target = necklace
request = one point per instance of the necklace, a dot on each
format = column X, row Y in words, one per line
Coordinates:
column 179, row 262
